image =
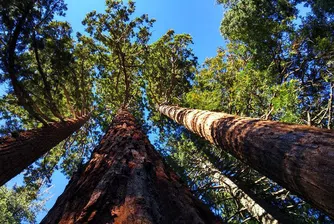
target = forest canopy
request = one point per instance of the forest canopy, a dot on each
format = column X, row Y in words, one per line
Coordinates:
column 68, row 88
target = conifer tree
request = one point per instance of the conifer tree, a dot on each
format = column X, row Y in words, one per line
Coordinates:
column 125, row 180
column 36, row 56
column 285, row 153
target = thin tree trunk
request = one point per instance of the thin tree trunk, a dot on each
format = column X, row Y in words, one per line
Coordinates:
column 24, row 148
column 126, row 181
column 330, row 106
column 68, row 101
column 47, row 87
column 218, row 166
column 257, row 207
column 300, row 158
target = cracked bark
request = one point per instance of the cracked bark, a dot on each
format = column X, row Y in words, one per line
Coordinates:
column 298, row 157
column 22, row 149
column 126, row 181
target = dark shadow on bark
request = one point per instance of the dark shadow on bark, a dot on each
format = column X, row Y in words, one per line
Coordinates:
column 293, row 156
column 127, row 181
column 18, row 152
column 300, row 158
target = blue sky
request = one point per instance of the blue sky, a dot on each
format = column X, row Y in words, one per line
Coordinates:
column 199, row 18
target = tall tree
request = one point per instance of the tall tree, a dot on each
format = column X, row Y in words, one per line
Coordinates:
column 127, row 181
column 39, row 61
column 230, row 82
column 120, row 42
column 297, row 157
column 23, row 148
column 37, row 56
column 20, row 21
column 270, row 70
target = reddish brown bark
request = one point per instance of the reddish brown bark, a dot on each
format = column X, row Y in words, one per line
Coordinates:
column 300, row 158
column 126, row 181
column 18, row 152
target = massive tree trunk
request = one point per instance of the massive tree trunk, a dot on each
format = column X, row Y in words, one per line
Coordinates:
column 300, row 158
column 126, row 181
column 23, row 148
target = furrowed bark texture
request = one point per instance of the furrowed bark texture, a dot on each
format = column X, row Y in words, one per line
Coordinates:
column 18, row 152
column 126, row 181
column 300, row 158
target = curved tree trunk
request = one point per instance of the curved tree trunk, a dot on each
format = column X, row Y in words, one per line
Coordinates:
column 126, row 181
column 22, row 95
column 300, row 158
column 24, row 148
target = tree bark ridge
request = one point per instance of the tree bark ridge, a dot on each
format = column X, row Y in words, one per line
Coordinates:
column 298, row 157
column 127, row 181
column 23, row 148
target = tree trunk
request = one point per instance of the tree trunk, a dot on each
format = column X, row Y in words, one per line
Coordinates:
column 126, row 181
column 261, row 210
column 23, row 148
column 300, row 158
column 330, row 106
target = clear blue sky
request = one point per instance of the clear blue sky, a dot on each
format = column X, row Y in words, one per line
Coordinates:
column 199, row 18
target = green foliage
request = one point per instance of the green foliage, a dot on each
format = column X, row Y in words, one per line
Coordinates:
column 285, row 52
column 23, row 22
column 259, row 25
column 168, row 71
column 285, row 101
column 119, row 43
column 207, row 92
column 229, row 83
column 169, row 68
column 38, row 57
column 16, row 206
